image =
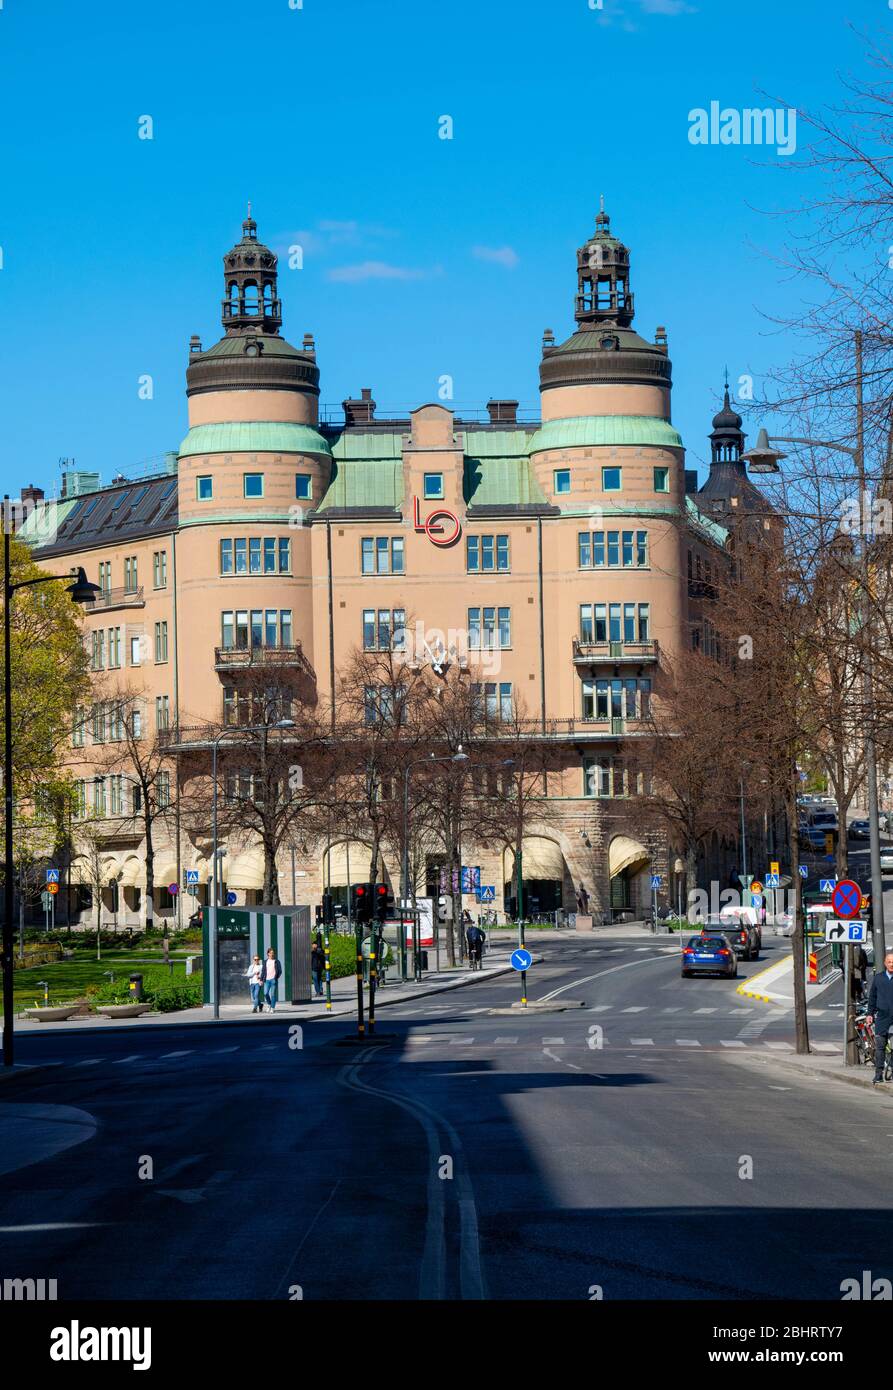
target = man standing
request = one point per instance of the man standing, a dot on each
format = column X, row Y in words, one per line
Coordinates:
column 880, row 1012
column 272, row 972
column 317, row 967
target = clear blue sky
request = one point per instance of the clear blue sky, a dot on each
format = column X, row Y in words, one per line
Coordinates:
column 423, row 257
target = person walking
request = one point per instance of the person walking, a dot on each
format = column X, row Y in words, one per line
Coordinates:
column 880, row 1013
column 272, row 973
column 317, row 967
column 255, row 977
column 858, row 973
column 475, row 938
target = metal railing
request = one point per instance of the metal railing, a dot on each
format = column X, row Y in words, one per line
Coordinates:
column 593, row 653
column 117, row 598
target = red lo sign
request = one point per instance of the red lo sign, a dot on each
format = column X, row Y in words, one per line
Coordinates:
column 432, row 526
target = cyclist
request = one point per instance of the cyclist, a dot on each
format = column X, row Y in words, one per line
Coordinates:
column 475, row 938
column 880, row 1013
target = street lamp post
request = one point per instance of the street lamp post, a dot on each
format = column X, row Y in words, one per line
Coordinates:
column 83, row 592
column 765, row 458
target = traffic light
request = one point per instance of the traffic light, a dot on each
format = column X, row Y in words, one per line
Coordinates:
column 361, row 902
column 319, row 915
column 384, row 901
column 328, row 909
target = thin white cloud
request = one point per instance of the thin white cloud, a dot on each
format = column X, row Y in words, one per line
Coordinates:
column 505, row 256
column 377, row 270
column 669, row 7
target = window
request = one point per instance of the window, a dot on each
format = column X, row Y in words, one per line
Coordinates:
column 616, row 699
column 79, row 729
column 433, row 487
column 97, row 654
column 163, row 791
column 562, row 477
column 136, row 722
column 162, row 712
column 115, row 723
column 628, row 549
column 254, row 555
column 661, row 480
column 256, row 627
column 381, row 554
column 614, row 622
column 303, row 487
column 612, row 479
column 226, row 557
column 114, row 648
column 136, row 800
column 116, row 794
column 161, row 641
column 484, row 554
column 253, row 485
column 613, row 777
column 381, row 626
column 382, row 705
column 136, row 648
column 80, row 798
column 105, row 575
column 130, row 574
column 159, row 569
column 99, row 801
column 489, row 629
column 493, row 699
column 204, row 488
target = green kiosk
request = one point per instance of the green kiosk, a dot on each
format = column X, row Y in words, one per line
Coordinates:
column 244, row 932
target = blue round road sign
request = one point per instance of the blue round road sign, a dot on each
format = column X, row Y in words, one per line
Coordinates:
column 846, row 898
column 230, row 899
column 521, row 959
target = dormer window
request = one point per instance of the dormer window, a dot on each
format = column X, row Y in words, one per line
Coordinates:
column 609, row 342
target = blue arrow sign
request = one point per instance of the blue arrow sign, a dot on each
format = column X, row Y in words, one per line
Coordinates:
column 756, row 900
column 521, row 959
column 230, row 899
column 826, row 885
column 52, row 875
column 804, row 872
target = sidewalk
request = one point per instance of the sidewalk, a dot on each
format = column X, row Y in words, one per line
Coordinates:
column 344, row 1003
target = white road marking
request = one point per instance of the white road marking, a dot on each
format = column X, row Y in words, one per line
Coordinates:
column 553, row 1042
column 462, row 1041
column 705, row 1011
column 587, row 979
column 90, row 1062
column 735, row 1042
column 687, row 1042
column 825, row 1047
column 134, row 1057
column 600, row 1009
column 641, row 1042
column 422, row 1037
column 165, row 1056
column 561, row 1061
column 779, row 1046
column 505, row 1040
column 639, row 1009
column 216, row 1051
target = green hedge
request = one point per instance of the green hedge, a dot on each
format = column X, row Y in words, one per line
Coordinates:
column 164, row 992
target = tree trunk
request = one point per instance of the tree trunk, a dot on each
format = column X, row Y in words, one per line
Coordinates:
column 271, row 876
column 798, row 934
column 691, row 873
column 150, row 862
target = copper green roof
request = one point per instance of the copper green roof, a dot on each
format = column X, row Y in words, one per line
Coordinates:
column 254, row 437
column 233, row 345
column 368, row 444
column 365, row 483
column 500, row 482
column 497, row 443
column 598, row 430
column 711, row 528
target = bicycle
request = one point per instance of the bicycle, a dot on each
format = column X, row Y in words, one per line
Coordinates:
column 865, row 1046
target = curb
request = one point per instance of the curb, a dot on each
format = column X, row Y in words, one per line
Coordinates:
column 850, row 1076
column 770, row 997
column 345, row 1011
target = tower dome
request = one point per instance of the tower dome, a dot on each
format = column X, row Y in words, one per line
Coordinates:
column 605, row 349
column 252, row 355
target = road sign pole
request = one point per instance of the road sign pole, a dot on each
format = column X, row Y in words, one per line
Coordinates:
column 847, row 1004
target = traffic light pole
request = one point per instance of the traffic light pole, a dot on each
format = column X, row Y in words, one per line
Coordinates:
column 361, row 1028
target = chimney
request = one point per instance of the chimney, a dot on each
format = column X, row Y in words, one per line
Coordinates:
column 362, row 411
column 195, row 344
column 503, row 412
column 548, row 339
column 31, row 495
column 691, row 481
column 660, row 337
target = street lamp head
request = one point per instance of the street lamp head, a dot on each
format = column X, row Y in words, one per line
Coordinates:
column 82, row 591
column 762, row 458
column 459, row 756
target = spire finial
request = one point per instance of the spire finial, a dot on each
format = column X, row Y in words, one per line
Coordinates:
column 601, row 202
column 249, row 209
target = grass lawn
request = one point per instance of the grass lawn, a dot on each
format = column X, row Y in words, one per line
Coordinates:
column 68, row 979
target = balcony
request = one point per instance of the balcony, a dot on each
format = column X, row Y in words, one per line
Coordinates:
column 615, row 653
column 107, row 599
column 259, row 657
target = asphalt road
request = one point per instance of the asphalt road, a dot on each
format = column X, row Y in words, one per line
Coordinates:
column 473, row 1156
